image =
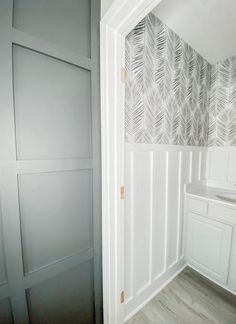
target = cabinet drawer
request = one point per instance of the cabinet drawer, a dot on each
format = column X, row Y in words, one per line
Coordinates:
column 198, row 206
column 225, row 214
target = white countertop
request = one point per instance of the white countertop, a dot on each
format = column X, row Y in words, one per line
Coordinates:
column 206, row 192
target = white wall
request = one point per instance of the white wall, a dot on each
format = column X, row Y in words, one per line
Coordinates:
column 105, row 4
column 155, row 178
column 207, row 26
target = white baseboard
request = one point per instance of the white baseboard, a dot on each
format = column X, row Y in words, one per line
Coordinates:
column 167, row 281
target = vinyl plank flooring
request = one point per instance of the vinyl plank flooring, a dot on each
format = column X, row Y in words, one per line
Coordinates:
column 189, row 299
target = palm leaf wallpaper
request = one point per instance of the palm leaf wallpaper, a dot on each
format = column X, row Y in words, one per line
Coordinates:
column 222, row 106
column 173, row 95
column 166, row 87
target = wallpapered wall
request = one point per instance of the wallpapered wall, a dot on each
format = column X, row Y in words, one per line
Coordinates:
column 222, row 105
column 167, row 87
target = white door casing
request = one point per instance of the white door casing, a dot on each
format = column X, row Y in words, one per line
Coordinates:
column 118, row 21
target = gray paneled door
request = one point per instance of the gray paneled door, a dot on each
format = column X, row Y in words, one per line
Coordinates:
column 50, row 251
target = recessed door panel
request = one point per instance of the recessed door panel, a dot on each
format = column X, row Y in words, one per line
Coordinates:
column 67, row 298
column 65, row 23
column 56, row 216
column 3, row 278
column 5, row 312
column 52, row 107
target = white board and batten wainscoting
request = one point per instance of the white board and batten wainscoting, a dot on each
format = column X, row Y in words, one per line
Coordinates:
column 155, row 176
column 221, row 167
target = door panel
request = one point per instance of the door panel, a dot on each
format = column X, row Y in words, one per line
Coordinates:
column 52, row 107
column 3, row 277
column 5, row 312
column 63, row 219
column 50, row 162
column 59, row 300
column 65, row 23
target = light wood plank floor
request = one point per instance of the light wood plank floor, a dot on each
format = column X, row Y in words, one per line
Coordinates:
column 189, row 299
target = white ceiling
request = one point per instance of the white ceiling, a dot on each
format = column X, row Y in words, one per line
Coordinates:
column 209, row 26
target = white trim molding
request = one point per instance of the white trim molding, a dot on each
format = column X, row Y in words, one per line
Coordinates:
column 118, row 21
column 155, row 180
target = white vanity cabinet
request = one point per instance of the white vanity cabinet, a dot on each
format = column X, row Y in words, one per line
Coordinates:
column 211, row 240
column 208, row 246
column 232, row 267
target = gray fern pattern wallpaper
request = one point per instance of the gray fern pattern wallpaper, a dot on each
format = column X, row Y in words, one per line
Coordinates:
column 222, row 105
column 167, row 87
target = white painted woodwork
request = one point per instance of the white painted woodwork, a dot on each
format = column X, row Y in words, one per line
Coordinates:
column 224, row 214
column 203, row 170
column 232, row 266
column 118, row 21
column 208, row 246
column 196, row 166
column 159, row 213
column 218, row 162
column 154, row 207
column 198, row 206
column 142, row 216
column 173, row 212
column 221, row 163
column 232, row 165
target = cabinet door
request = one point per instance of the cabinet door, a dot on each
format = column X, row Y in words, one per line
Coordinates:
column 232, row 268
column 208, row 246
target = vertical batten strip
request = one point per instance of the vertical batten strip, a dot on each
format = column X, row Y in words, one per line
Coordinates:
column 179, row 207
column 203, row 164
column 9, row 185
column 166, row 208
column 190, row 166
column 199, row 165
column 132, row 223
column 151, row 219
